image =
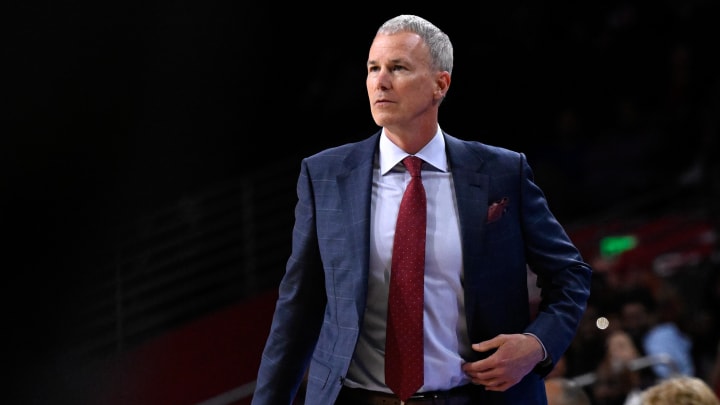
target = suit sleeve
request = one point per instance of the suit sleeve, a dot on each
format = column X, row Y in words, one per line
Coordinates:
column 299, row 308
column 563, row 276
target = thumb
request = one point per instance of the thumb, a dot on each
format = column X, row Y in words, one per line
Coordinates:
column 486, row 345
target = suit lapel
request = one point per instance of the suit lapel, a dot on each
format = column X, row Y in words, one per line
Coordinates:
column 471, row 191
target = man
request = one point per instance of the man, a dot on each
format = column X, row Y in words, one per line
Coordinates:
column 487, row 222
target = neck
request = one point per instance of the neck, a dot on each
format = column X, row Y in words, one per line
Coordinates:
column 411, row 141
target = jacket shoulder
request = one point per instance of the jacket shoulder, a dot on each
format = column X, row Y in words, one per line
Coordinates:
column 484, row 152
column 341, row 152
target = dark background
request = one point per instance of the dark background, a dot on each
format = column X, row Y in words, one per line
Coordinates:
column 124, row 114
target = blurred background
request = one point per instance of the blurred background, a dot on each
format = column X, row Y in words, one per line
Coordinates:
column 149, row 166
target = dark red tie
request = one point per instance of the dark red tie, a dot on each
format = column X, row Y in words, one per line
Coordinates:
column 404, row 340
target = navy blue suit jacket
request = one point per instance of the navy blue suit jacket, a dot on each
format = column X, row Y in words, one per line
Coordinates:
column 322, row 295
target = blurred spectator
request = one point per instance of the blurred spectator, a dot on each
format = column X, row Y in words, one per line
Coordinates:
column 636, row 312
column 657, row 320
column 681, row 390
column 562, row 391
column 668, row 337
column 620, row 348
column 615, row 384
column 616, row 381
column 715, row 372
column 587, row 348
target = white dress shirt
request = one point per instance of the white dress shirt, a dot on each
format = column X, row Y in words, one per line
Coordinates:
column 446, row 341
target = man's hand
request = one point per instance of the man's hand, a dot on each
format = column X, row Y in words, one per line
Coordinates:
column 515, row 357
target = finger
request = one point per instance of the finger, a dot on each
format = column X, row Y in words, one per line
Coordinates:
column 487, row 377
column 495, row 385
column 480, row 366
column 479, row 379
column 488, row 344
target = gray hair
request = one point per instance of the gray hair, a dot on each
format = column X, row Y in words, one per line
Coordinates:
column 441, row 49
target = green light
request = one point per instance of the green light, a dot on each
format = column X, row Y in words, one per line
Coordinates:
column 615, row 245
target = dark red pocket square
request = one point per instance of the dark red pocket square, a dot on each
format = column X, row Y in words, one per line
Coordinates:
column 496, row 209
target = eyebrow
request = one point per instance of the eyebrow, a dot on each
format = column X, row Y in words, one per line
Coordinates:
column 393, row 61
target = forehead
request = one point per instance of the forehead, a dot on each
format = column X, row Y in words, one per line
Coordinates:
column 400, row 46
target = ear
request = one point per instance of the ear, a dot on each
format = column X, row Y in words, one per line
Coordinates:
column 442, row 84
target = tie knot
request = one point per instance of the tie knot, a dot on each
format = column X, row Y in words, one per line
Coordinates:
column 413, row 165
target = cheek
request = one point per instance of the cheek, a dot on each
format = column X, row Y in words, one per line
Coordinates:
column 372, row 80
column 416, row 89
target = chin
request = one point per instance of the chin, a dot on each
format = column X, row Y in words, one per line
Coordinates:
column 382, row 119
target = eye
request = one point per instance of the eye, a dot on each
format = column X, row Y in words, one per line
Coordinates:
column 398, row 67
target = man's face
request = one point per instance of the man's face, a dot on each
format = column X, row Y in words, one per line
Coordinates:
column 401, row 85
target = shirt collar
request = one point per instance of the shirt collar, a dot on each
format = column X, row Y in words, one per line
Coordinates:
column 433, row 153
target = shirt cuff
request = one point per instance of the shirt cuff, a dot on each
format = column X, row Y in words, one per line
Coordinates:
column 545, row 355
